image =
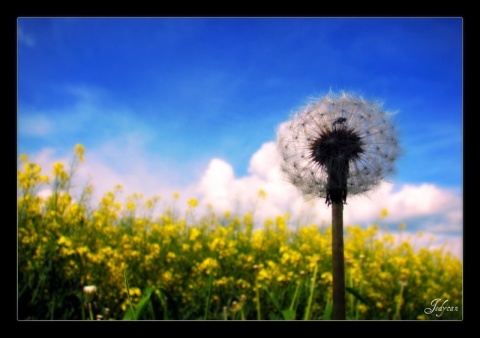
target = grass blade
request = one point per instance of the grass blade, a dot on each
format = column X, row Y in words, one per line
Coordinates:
column 356, row 294
column 131, row 314
column 310, row 297
column 328, row 311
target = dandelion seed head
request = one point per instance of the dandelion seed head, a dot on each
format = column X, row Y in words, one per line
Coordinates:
column 338, row 144
column 90, row 289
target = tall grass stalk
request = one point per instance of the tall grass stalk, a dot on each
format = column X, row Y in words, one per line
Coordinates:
column 310, row 297
column 399, row 301
column 257, row 298
column 209, row 295
column 295, row 295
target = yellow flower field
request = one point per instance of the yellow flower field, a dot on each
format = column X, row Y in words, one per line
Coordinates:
column 117, row 261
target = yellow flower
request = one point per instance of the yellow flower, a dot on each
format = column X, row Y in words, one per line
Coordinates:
column 64, row 240
column 79, row 152
column 58, row 168
column 135, row 292
column 171, row 256
column 81, row 250
column 208, row 265
column 194, row 234
column 258, row 239
column 383, row 213
column 23, row 158
column 131, row 206
column 327, row 276
column 192, row 203
column 262, row 194
column 197, row 246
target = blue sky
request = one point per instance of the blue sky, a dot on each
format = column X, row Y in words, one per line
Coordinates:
column 156, row 100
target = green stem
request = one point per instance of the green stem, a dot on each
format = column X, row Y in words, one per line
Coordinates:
column 209, row 295
column 399, row 303
column 90, row 310
column 257, row 294
column 128, row 293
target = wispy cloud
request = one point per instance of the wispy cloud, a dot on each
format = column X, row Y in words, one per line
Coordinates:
column 36, row 124
column 25, row 38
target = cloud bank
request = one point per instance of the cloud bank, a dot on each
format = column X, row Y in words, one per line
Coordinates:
column 427, row 208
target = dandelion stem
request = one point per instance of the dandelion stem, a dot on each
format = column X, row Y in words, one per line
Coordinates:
column 338, row 312
column 90, row 310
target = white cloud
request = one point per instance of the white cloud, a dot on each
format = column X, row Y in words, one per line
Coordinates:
column 219, row 187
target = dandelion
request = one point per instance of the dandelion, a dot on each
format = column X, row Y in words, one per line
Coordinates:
column 89, row 289
column 336, row 146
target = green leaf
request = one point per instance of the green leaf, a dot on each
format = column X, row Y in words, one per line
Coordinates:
column 142, row 303
column 289, row 314
column 273, row 299
column 129, row 315
column 356, row 294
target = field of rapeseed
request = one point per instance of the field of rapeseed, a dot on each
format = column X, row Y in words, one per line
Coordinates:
column 118, row 261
